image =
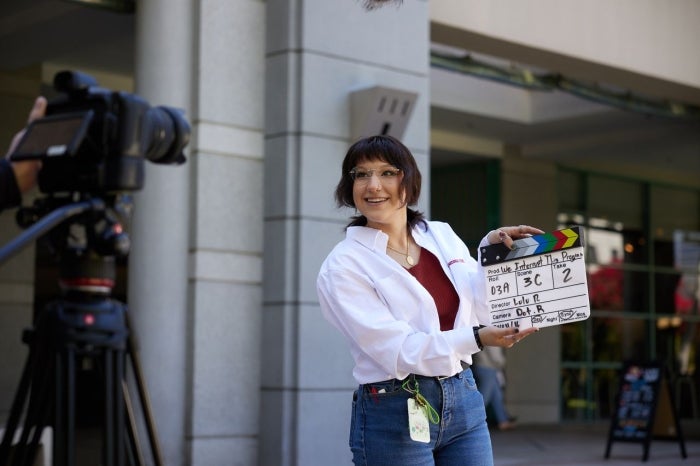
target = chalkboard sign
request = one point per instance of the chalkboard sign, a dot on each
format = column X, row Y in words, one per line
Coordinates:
column 644, row 408
column 540, row 282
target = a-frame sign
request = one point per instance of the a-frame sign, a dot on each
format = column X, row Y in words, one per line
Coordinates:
column 644, row 408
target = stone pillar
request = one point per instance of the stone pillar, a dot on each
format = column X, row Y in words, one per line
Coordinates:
column 318, row 53
column 196, row 271
column 226, row 228
column 158, row 294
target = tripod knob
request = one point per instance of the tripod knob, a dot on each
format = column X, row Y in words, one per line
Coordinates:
column 111, row 239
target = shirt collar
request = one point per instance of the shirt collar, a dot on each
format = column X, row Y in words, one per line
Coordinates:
column 377, row 240
column 374, row 239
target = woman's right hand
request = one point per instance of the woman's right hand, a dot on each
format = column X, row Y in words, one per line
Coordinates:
column 504, row 337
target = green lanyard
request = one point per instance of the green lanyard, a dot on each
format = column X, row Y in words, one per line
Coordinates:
column 430, row 412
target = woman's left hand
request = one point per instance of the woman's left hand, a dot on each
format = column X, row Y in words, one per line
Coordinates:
column 507, row 235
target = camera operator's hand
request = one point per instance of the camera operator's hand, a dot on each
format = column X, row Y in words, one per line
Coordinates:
column 26, row 172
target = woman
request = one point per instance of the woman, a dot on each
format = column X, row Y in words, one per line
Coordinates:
column 411, row 301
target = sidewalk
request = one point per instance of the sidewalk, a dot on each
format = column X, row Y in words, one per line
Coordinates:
column 584, row 445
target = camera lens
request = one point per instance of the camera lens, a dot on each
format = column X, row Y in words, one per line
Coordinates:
column 168, row 133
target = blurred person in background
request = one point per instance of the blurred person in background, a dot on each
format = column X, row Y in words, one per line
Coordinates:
column 489, row 372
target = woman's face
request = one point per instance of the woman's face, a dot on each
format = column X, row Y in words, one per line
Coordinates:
column 378, row 194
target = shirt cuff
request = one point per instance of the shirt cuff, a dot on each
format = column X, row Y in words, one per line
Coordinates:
column 463, row 341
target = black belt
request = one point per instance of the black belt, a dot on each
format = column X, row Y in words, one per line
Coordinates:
column 465, row 366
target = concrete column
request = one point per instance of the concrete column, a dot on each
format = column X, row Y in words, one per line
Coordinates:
column 523, row 181
column 318, row 53
column 226, row 232
column 158, row 294
column 200, row 323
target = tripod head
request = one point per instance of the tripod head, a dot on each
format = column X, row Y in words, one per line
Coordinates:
column 88, row 242
column 86, row 235
column 86, row 238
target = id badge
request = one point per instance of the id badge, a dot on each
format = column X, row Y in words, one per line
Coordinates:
column 418, row 425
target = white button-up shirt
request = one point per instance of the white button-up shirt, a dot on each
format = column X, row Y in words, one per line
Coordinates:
column 388, row 317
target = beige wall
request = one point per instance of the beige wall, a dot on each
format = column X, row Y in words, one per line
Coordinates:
column 640, row 44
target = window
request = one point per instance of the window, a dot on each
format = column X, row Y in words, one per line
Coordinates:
column 642, row 253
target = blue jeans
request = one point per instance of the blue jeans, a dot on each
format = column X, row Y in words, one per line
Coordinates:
column 490, row 388
column 379, row 434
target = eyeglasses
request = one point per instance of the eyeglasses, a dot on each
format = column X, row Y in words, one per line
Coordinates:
column 361, row 175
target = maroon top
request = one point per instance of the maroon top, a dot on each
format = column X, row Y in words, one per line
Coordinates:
column 430, row 274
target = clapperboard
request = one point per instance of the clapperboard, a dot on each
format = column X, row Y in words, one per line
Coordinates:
column 539, row 283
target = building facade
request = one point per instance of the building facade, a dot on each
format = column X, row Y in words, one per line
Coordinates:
column 545, row 112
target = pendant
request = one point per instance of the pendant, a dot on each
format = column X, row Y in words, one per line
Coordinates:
column 409, row 260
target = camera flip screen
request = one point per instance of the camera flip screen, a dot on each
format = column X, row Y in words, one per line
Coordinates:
column 53, row 136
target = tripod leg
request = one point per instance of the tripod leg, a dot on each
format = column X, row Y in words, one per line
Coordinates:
column 36, row 419
column 108, row 431
column 33, row 390
column 114, row 408
column 33, row 447
column 17, row 407
column 119, row 403
column 64, row 422
column 134, row 452
column 145, row 402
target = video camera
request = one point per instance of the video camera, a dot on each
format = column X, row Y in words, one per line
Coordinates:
column 93, row 140
column 92, row 145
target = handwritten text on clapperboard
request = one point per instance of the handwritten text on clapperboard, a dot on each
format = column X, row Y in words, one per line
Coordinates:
column 541, row 282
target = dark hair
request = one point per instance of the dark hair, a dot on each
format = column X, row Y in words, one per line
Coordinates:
column 392, row 151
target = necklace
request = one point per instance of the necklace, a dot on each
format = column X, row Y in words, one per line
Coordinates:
column 409, row 259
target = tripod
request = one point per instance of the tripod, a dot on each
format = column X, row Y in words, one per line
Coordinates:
column 84, row 324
